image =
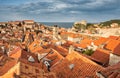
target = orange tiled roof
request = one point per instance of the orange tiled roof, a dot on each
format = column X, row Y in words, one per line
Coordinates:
column 28, row 20
column 35, row 46
column 118, row 39
column 3, row 22
column 113, row 37
column 111, row 71
column 24, row 55
column 83, row 67
column 73, row 35
column 63, row 51
column 15, row 53
column 100, row 41
column 114, row 46
column 55, row 56
column 101, row 56
column 67, row 44
column 83, row 45
column 8, row 65
column 87, row 41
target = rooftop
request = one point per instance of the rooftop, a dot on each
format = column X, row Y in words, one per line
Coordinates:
column 82, row 67
column 111, row 71
column 101, row 56
column 113, row 46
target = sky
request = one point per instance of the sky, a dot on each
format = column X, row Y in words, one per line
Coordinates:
column 60, row 10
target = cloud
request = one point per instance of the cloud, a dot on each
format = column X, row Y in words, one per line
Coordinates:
column 59, row 9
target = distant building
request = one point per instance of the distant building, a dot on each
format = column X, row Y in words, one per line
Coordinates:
column 14, row 23
column 84, row 22
column 2, row 23
column 28, row 23
column 113, row 25
column 73, row 37
column 114, row 47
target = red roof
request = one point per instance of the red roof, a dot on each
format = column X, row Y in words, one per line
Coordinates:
column 15, row 53
column 100, row 41
column 111, row 71
column 67, row 44
column 113, row 37
column 73, row 35
column 8, row 65
column 28, row 20
column 118, row 39
column 83, row 45
column 101, row 56
column 63, row 51
column 86, row 41
column 55, row 56
column 83, row 67
column 35, row 46
column 23, row 57
column 114, row 46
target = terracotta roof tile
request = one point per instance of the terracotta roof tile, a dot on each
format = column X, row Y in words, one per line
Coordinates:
column 118, row 39
column 113, row 37
column 118, row 76
column 111, row 71
column 83, row 45
column 16, row 53
column 83, row 67
column 35, row 46
column 101, row 56
column 86, row 41
column 73, row 35
column 55, row 56
column 8, row 65
column 23, row 57
column 68, row 43
column 114, row 46
column 100, row 41
column 63, row 51
column 28, row 20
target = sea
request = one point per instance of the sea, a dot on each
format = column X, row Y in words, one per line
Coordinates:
column 60, row 24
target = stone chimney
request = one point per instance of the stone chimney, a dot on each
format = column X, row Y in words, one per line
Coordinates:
column 71, row 49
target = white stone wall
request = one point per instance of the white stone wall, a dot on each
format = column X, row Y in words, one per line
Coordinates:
column 114, row 59
column 73, row 39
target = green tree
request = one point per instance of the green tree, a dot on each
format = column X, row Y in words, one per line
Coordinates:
column 88, row 52
column 80, row 27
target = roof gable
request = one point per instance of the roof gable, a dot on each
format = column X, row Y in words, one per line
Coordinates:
column 101, row 56
column 114, row 46
column 83, row 67
column 100, row 41
column 111, row 71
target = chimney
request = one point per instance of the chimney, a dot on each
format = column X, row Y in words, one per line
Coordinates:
column 23, row 38
column 31, row 38
column 24, row 28
column 3, row 49
column 31, row 59
column 71, row 66
column 71, row 49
